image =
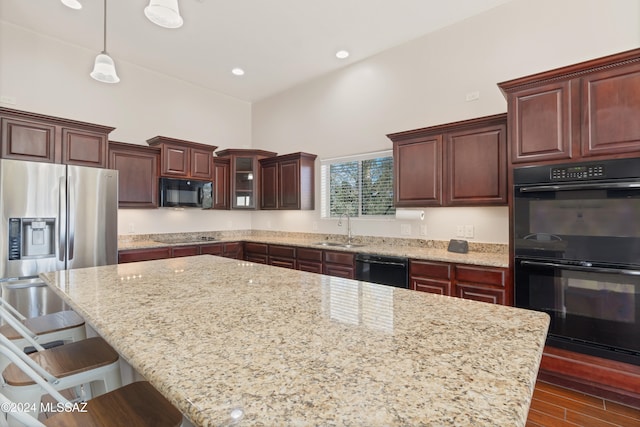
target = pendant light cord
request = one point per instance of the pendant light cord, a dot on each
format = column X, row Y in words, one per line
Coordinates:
column 104, row 50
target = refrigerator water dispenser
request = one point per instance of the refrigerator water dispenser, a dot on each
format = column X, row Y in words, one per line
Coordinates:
column 31, row 238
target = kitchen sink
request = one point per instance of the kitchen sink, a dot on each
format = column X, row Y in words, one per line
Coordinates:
column 202, row 239
column 338, row 244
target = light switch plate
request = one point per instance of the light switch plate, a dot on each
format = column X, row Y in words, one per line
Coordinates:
column 468, row 231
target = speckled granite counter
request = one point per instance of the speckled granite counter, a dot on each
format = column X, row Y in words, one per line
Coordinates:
column 296, row 348
column 492, row 255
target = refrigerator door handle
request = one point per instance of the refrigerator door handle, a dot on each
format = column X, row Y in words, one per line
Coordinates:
column 72, row 215
column 62, row 218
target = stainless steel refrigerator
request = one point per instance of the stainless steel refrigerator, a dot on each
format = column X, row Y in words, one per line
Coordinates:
column 55, row 217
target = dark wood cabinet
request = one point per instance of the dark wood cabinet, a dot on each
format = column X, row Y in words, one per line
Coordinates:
column 244, row 180
column 179, row 251
column 137, row 167
column 476, row 169
column 309, row 260
column 576, row 112
column 256, row 252
column 287, row 181
column 456, row 164
column 184, row 159
column 282, row 256
column 479, row 283
column 417, row 171
column 40, row 138
column 484, row 284
column 433, row 277
column 147, row 254
column 340, row 264
column 221, row 185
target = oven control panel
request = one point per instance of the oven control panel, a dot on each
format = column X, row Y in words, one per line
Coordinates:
column 577, row 172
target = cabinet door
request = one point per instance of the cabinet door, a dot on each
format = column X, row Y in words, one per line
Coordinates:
column 477, row 166
column 310, row 266
column 269, row 185
column 233, row 250
column 175, row 160
column 541, row 122
column 137, row 168
column 179, row 251
column 84, row 148
column 24, row 140
column 611, row 108
column 485, row 284
column 418, row 172
column 289, row 184
column 201, row 164
column 221, row 169
column 244, row 179
column 339, row 271
column 212, row 249
column 433, row 277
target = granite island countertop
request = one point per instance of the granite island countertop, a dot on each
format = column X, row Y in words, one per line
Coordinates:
column 295, row 348
column 491, row 255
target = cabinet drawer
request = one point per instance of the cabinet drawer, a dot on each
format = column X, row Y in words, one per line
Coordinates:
column 440, row 287
column 282, row 251
column 310, row 254
column 185, row 251
column 143, row 254
column 256, row 248
column 430, row 269
column 343, row 258
column 488, row 276
column 282, row 262
column 310, row 266
column 214, row 249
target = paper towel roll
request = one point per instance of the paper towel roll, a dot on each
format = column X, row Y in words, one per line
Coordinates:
column 409, row 214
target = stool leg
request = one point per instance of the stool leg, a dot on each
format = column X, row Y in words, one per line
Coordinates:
column 111, row 380
column 28, row 396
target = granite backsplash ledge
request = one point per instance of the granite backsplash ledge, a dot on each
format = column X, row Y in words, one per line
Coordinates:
column 226, row 235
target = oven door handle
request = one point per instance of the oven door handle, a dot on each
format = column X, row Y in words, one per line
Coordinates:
column 586, row 268
column 590, row 186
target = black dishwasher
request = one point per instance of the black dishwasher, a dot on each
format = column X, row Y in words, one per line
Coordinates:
column 384, row 270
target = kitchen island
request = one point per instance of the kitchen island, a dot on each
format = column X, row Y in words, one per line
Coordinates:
column 287, row 347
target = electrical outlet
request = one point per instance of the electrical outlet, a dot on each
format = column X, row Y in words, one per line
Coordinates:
column 405, row 229
column 132, row 228
column 423, row 230
column 460, row 231
column 468, row 231
column 314, row 226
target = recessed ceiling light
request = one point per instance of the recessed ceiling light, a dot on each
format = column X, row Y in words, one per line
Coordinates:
column 238, row 71
column 342, row 54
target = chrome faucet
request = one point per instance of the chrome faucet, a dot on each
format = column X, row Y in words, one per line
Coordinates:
column 349, row 236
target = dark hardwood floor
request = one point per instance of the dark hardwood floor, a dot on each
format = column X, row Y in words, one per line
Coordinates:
column 554, row 406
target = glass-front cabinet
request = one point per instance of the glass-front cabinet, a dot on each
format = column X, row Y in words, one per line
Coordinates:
column 245, row 176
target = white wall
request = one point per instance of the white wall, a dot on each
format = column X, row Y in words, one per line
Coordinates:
column 51, row 77
column 414, row 85
column 424, row 83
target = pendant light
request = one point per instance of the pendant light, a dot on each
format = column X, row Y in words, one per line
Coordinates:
column 164, row 13
column 73, row 4
column 104, row 69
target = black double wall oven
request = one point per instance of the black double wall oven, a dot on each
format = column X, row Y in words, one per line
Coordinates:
column 577, row 254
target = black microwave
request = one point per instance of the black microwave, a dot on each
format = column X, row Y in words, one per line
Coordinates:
column 190, row 193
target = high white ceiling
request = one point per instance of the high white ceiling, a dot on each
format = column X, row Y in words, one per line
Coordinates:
column 279, row 43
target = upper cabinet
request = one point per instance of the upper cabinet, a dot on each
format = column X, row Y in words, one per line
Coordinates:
column 221, row 176
column 287, row 182
column 244, row 175
column 456, row 164
column 35, row 137
column 580, row 111
column 137, row 167
column 184, row 159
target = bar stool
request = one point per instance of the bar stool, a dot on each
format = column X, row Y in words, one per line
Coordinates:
column 135, row 405
column 60, row 327
column 91, row 361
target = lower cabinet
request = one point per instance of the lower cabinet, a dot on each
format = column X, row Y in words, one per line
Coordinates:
column 340, row 264
column 282, row 256
column 309, row 260
column 178, row 251
column 225, row 249
column 148, row 254
column 256, row 252
column 479, row 283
